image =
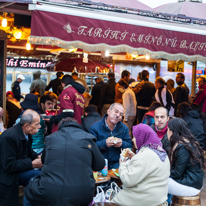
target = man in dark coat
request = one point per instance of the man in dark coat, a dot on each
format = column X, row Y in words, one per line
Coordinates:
column 55, row 83
column 71, row 156
column 18, row 160
column 96, row 91
column 15, row 88
column 161, row 117
column 107, row 94
column 181, row 92
column 91, row 117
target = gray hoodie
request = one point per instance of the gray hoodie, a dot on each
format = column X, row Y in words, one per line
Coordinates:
column 38, row 84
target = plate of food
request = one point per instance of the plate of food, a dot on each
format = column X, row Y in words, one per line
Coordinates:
column 44, row 116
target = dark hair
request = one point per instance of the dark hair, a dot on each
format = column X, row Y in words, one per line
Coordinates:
column 183, row 108
column 182, row 75
column 160, row 80
column 74, row 74
column 203, row 78
column 139, row 75
column 182, row 135
column 110, row 74
column 125, row 73
column 154, row 106
column 67, row 79
column 131, row 80
column 66, row 120
column 91, row 109
column 145, row 73
column 123, row 83
column 170, row 84
column 195, row 106
column 59, row 74
column 45, row 98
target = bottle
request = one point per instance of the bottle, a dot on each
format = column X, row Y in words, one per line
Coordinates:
column 105, row 170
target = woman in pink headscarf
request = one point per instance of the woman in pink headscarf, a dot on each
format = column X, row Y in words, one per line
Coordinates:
column 145, row 176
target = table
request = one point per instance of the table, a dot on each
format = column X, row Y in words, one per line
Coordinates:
column 111, row 173
column 101, row 179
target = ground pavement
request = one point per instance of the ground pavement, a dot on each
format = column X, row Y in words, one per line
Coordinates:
column 203, row 192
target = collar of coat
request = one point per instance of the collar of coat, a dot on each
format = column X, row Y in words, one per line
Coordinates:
column 117, row 126
column 21, row 133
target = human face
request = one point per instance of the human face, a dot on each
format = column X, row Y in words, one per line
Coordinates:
column 157, row 85
column 74, row 77
column 161, row 118
column 126, row 78
column 201, row 82
column 179, row 79
column 48, row 105
column 169, row 133
column 115, row 114
column 34, row 127
column 134, row 141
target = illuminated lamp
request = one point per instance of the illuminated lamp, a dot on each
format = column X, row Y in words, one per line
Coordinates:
column 147, row 57
column 17, row 34
column 106, row 53
column 4, row 23
column 28, row 46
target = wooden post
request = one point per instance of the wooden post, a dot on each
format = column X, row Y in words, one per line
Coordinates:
column 193, row 87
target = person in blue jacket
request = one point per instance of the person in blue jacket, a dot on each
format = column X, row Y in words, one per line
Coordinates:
column 111, row 126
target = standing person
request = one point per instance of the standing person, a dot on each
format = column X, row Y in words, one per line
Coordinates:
column 118, row 93
column 181, row 92
column 145, row 95
column 194, row 123
column 96, row 91
column 15, row 87
column 71, row 156
column 81, row 81
column 129, row 104
column 111, row 126
column 70, row 102
column 18, row 160
column 186, row 159
column 164, row 96
column 107, row 94
column 139, row 79
column 161, row 118
column 200, row 97
column 170, row 85
column 38, row 84
column 55, row 83
column 145, row 177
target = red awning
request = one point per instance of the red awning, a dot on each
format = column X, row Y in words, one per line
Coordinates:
column 117, row 32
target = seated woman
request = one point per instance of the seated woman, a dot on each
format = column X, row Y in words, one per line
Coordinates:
column 149, row 116
column 187, row 160
column 145, row 177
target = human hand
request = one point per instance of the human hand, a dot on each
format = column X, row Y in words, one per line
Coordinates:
column 120, row 161
column 47, row 120
column 110, row 142
column 37, row 163
column 119, row 142
column 131, row 154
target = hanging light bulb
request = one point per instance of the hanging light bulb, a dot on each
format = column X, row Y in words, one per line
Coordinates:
column 147, row 57
column 4, row 23
column 17, row 34
column 28, row 46
column 106, row 53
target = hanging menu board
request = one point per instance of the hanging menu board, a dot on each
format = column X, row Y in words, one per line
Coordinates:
column 1, row 71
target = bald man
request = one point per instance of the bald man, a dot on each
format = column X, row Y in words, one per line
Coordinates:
column 161, row 117
column 18, row 160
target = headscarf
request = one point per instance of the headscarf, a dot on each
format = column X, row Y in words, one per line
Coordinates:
column 146, row 137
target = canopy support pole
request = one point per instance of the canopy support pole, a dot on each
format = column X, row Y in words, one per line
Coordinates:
column 193, row 87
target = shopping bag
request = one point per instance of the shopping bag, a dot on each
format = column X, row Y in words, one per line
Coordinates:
column 100, row 196
column 110, row 193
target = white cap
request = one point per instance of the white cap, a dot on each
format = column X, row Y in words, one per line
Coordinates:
column 20, row 76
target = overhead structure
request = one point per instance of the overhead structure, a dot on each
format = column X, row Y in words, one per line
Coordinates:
column 97, row 30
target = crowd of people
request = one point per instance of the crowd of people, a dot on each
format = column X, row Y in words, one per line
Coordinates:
column 54, row 158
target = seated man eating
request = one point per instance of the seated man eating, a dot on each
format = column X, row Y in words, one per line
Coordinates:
column 111, row 126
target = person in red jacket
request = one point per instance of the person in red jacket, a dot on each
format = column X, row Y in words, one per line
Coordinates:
column 70, row 102
column 200, row 97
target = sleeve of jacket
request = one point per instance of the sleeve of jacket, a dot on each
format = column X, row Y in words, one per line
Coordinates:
column 8, row 157
column 126, row 140
column 178, row 96
column 102, row 95
column 32, row 87
column 16, row 91
column 101, row 144
column 48, row 87
column 98, row 161
column 182, row 157
column 126, row 105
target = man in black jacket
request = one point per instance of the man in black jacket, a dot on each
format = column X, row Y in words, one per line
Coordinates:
column 18, row 160
column 15, row 88
column 96, row 90
column 161, row 117
column 67, row 175
column 55, row 83
column 145, row 96
column 107, row 94
column 181, row 92
column 91, row 117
